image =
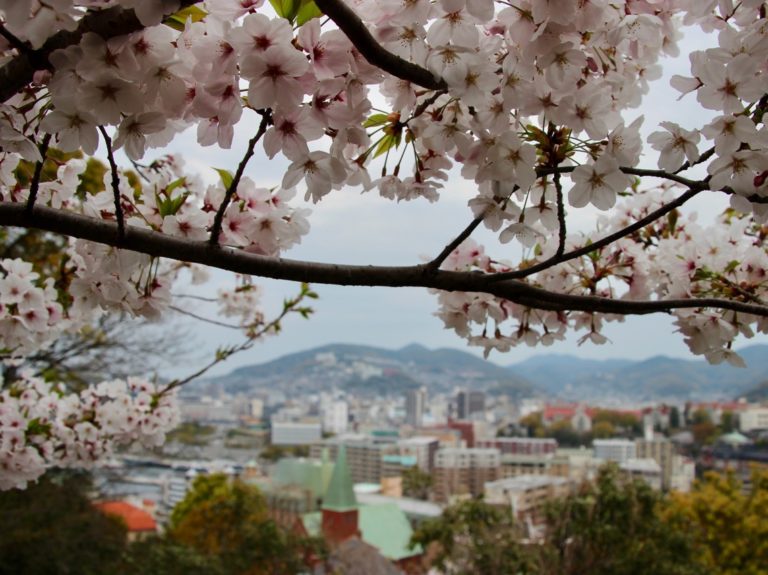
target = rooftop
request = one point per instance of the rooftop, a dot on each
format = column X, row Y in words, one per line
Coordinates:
column 135, row 519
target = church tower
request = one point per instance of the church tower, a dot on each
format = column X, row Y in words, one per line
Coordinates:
column 340, row 519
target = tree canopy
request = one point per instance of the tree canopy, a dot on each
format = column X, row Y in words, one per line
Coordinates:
column 521, row 100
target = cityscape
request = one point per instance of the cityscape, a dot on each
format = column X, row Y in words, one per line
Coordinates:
column 342, row 440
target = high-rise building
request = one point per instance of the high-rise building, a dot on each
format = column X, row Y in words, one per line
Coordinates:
column 415, row 403
column 468, row 403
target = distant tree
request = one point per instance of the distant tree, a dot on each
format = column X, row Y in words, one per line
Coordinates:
column 613, row 527
column 533, row 423
column 603, row 430
column 52, row 528
column 728, row 422
column 626, row 423
column 229, row 519
column 162, row 556
column 728, row 523
column 674, row 418
column 416, row 483
column 274, row 453
column 472, row 538
column 564, row 433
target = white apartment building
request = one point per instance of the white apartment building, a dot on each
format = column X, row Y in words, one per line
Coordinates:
column 288, row 433
column 753, row 417
column 618, row 450
column 335, row 416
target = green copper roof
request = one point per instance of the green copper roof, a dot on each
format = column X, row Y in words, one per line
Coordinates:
column 384, row 526
column 340, row 495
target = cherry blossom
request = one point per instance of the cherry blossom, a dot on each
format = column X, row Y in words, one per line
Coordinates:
column 526, row 106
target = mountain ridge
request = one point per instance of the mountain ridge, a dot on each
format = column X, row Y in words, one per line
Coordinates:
column 392, row 371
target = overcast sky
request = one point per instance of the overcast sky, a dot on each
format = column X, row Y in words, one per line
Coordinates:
column 348, row 227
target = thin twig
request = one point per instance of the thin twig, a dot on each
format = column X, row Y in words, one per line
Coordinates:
column 584, row 250
column 288, row 307
column 701, row 159
column 457, row 241
column 218, row 220
column 34, row 185
column 115, row 183
column 205, row 319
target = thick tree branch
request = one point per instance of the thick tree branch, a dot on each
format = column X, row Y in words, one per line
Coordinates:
column 349, row 23
column 159, row 245
column 108, row 23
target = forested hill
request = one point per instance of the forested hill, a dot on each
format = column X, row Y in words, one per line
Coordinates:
column 375, row 370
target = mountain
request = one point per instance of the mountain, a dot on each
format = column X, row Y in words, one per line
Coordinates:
column 369, row 370
column 656, row 378
column 757, row 393
column 374, row 370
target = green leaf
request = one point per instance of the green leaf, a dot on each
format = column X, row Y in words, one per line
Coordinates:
column 376, row 120
column 178, row 20
column 384, row 145
column 307, row 11
column 175, row 184
column 226, row 176
column 285, row 9
column 732, row 265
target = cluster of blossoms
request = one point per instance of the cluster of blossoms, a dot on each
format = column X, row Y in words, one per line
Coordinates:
column 41, row 427
column 674, row 258
column 30, row 314
column 523, row 98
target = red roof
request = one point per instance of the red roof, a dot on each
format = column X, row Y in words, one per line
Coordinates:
column 135, row 519
column 565, row 411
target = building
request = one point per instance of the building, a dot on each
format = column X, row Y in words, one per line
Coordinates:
column 288, row 433
column 520, row 445
column 646, row 469
column 527, row 496
column 415, row 405
column 617, row 450
column 138, row 522
column 335, row 416
column 364, row 454
column 578, row 415
column 513, row 465
column 468, row 403
column 342, row 519
column 662, row 452
column 753, row 418
column 464, row 471
column 422, row 448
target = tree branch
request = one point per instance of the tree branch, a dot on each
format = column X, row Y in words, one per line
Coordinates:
column 457, row 241
column 34, row 185
column 15, row 42
column 219, row 218
column 115, row 183
column 159, row 245
column 607, row 240
column 108, row 23
column 349, row 23
column 562, row 231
